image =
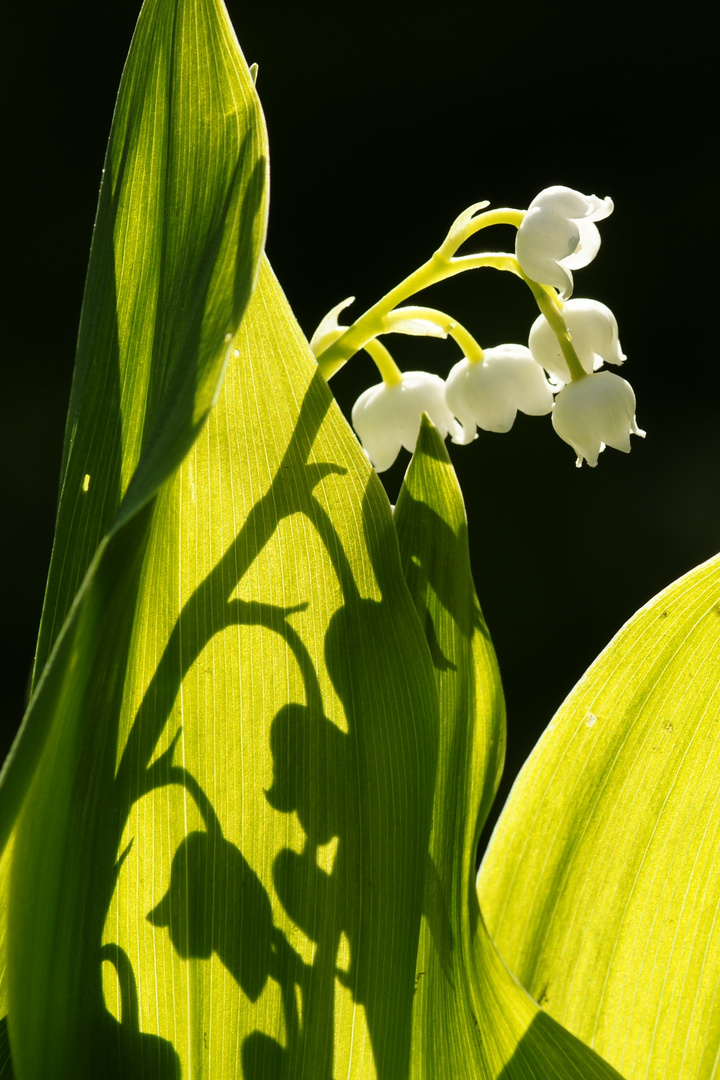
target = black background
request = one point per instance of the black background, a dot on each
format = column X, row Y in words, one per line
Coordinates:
column 385, row 121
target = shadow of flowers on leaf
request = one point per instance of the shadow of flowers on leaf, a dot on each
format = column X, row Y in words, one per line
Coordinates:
column 206, row 869
column 123, row 1051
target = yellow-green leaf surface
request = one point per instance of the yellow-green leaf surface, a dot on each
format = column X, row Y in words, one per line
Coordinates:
column 235, row 845
column 471, row 1018
column 177, row 242
column 5, row 1056
column 178, row 235
column 219, row 861
column 601, row 886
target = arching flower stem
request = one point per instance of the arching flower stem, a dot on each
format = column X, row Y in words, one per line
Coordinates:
column 371, row 323
column 450, row 328
column 550, row 306
column 389, row 371
column 466, row 226
column 442, row 265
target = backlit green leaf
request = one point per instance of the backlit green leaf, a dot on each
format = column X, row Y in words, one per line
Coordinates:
column 178, row 236
column 235, row 809
column 226, row 771
column 179, row 231
column 471, row 1018
column 601, row 884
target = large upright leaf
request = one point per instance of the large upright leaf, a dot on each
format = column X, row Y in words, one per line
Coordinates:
column 177, row 242
column 471, row 1018
column 226, row 772
column 179, row 231
column 240, row 835
column 602, row 882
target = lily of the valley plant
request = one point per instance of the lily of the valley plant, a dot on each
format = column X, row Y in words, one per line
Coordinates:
column 240, row 819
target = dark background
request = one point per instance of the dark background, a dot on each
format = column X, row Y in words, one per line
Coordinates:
column 385, row 121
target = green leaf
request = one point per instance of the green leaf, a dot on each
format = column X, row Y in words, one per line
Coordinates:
column 231, row 815
column 177, row 241
column 471, row 1017
column 225, row 788
column 178, row 236
column 5, row 862
column 179, row 232
column 601, row 884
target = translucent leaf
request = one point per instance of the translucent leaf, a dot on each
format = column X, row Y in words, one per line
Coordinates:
column 601, row 884
column 471, row 1017
column 177, row 241
column 233, row 824
column 178, row 236
column 225, row 789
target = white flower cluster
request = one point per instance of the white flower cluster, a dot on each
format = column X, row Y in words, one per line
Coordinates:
column 556, row 236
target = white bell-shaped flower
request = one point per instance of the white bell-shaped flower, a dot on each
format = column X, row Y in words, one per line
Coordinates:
column 488, row 393
column 594, row 412
column 594, row 332
column 387, row 417
column 558, row 235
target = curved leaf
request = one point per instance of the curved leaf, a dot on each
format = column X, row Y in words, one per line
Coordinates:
column 179, row 232
column 471, row 1017
column 225, row 838
column 601, row 884
column 226, row 789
